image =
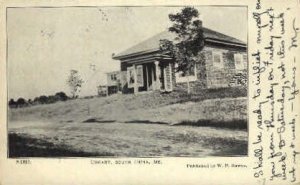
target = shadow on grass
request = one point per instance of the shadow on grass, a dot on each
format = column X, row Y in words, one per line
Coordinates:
column 227, row 146
column 25, row 146
column 233, row 124
column 204, row 94
column 95, row 120
column 147, row 122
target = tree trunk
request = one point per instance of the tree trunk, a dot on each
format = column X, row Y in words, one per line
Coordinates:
column 188, row 85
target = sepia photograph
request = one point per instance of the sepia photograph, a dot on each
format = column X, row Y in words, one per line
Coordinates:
column 127, row 81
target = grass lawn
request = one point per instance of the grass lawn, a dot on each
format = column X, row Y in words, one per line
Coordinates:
column 173, row 108
column 213, row 122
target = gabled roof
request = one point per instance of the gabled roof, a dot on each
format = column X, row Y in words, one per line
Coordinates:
column 152, row 44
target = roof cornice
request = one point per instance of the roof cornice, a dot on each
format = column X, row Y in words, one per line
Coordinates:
column 217, row 41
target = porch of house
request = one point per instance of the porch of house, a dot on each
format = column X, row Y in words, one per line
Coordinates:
column 149, row 75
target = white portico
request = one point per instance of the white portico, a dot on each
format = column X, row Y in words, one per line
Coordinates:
column 148, row 73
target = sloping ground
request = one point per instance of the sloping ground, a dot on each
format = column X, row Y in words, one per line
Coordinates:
column 173, row 108
column 116, row 126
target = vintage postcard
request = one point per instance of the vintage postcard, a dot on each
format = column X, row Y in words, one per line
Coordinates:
column 140, row 92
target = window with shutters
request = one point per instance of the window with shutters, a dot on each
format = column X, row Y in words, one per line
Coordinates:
column 191, row 72
column 139, row 75
column 218, row 59
column 130, row 76
column 238, row 61
column 180, row 77
column 113, row 77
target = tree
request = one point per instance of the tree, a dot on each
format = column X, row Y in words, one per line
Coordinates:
column 52, row 99
column 36, row 100
column 29, row 102
column 75, row 82
column 21, row 102
column 43, row 99
column 12, row 103
column 189, row 40
column 61, row 96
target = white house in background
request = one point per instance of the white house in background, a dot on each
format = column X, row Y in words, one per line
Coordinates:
column 113, row 82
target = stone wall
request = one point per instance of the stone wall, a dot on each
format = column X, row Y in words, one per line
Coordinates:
column 209, row 76
column 227, row 76
column 195, row 86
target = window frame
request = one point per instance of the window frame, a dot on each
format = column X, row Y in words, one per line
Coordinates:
column 241, row 65
column 189, row 78
column 113, row 77
column 140, row 68
column 219, row 64
column 130, row 85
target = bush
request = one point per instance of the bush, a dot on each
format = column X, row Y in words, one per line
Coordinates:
column 43, row 99
column 21, row 102
column 61, row 96
column 52, row 99
column 12, row 103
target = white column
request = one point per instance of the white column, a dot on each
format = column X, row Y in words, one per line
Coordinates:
column 171, row 77
column 152, row 77
column 135, row 87
column 165, row 78
column 157, row 72
column 147, row 78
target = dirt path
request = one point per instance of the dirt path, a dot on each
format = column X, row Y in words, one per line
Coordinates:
column 133, row 139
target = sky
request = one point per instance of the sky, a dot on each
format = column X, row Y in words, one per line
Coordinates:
column 44, row 44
